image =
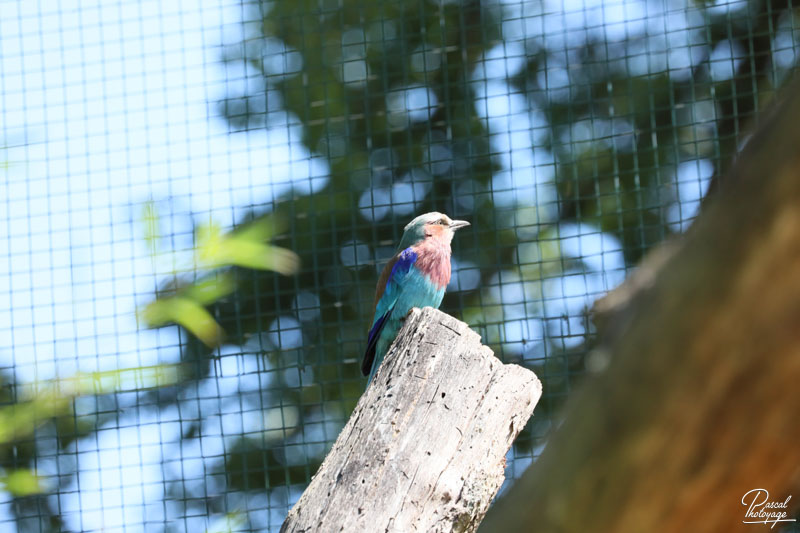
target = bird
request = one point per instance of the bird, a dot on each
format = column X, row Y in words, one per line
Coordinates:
column 416, row 276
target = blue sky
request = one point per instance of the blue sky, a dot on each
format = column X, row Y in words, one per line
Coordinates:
column 105, row 105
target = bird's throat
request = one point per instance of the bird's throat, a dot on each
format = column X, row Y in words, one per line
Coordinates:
column 433, row 260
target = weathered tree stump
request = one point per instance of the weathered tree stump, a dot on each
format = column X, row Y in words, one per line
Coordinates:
column 424, row 449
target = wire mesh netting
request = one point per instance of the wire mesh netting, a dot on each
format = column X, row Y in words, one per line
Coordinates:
column 197, row 199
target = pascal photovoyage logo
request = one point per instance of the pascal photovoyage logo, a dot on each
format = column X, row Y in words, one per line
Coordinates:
column 762, row 510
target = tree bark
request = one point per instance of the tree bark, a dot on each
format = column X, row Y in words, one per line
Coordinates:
column 699, row 401
column 424, row 449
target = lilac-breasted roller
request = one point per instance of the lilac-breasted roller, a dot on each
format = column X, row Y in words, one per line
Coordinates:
column 415, row 277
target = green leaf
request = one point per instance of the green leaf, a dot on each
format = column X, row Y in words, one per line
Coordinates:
column 260, row 230
column 188, row 313
column 244, row 248
column 20, row 420
column 210, row 290
column 260, row 256
column 24, row 482
column 122, row 380
column 45, row 400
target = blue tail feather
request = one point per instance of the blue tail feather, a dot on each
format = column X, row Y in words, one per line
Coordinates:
column 372, row 343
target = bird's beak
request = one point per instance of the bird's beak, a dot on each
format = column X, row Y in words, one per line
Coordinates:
column 456, row 224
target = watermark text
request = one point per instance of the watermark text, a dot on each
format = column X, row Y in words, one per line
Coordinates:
column 762, row 510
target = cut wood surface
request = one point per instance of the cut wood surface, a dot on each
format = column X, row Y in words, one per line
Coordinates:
column 699, row 402
column 424, row 449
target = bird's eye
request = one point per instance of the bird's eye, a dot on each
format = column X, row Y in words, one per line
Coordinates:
column 443, row 222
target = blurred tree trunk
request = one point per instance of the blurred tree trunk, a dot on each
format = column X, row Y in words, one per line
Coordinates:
column 700, row 398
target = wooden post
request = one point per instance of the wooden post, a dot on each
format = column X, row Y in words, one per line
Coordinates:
column 424, row 449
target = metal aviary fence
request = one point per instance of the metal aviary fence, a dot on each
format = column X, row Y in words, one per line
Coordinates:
column 197, row 197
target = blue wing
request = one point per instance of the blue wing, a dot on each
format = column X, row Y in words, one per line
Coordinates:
column 386, row 302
